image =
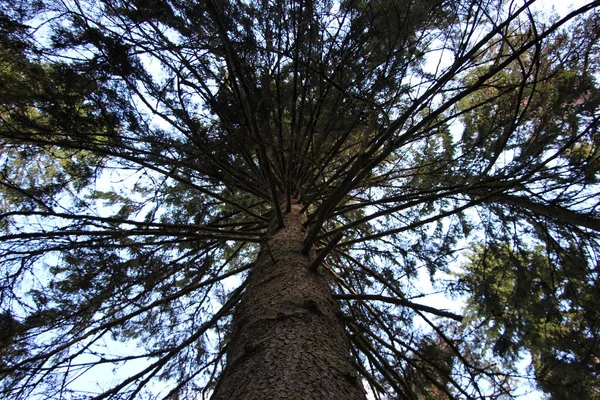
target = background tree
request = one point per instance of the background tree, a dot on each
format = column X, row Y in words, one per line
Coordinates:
column 234, row 189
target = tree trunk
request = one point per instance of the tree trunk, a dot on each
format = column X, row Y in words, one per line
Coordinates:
column 287, row 339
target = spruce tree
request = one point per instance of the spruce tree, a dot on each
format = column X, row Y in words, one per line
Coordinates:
column 250, row 200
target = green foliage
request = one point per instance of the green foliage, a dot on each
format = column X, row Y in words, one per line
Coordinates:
column 546, row 304
column 150, row 147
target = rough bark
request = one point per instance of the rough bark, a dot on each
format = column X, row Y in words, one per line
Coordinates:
column 287, row 339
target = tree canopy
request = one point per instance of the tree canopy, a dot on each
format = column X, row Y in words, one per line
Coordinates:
column 147, row 144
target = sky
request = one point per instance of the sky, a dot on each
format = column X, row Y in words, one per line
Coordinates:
column 561, row 7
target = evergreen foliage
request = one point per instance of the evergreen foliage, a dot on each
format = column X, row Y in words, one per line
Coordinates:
column 146, row 145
